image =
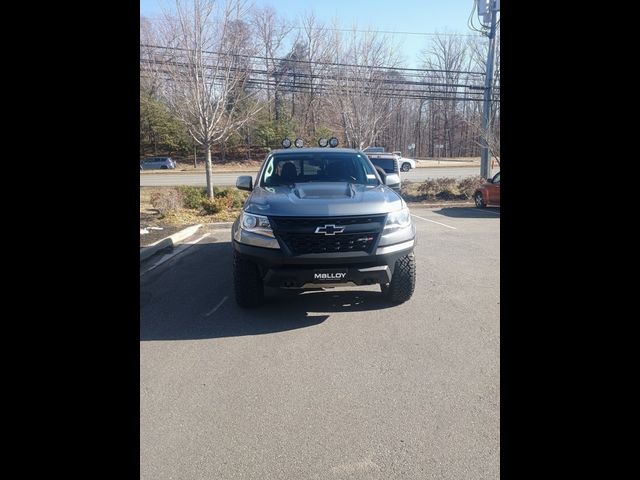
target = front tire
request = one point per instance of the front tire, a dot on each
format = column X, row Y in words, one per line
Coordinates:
column 403, row 282
column 406, row 166
column 480, row 203
column 247, row 283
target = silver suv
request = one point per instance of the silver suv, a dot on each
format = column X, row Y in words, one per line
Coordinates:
column 157, row 163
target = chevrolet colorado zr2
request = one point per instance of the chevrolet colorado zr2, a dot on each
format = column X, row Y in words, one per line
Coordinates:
column 322, row 217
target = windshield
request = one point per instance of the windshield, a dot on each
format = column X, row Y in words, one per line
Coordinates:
column 288, row 168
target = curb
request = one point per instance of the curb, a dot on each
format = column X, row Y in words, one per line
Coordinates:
column 168, row 242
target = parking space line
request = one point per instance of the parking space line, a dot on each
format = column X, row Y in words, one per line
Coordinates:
column 432, row 221
column 181, row 248
column 217, row 306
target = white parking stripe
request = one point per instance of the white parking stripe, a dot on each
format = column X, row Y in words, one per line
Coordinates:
column 217, row 306
column 433, row 221
column 179, row 249
column 482, row 211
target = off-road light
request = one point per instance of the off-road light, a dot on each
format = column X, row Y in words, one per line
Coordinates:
column 323, row 142
column 299, row 142
column 333, row 142
column 286, row 143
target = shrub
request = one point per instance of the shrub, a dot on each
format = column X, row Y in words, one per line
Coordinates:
column 193, row 196
column 169, row 200
column 237, row 197
column 217, row 204
column 447, row 188
column 429, row 188
column 468, row 186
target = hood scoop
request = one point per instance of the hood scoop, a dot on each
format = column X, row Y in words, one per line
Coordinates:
column 323, row 190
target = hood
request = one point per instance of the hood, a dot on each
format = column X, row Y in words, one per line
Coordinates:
column 323, row 199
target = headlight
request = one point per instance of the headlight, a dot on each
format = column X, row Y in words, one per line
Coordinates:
column 398, row 220
column 256, row 224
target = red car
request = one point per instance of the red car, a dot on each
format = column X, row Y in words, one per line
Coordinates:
column 488, row 193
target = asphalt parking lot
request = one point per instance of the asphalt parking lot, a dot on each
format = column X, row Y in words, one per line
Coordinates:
column 332, row 384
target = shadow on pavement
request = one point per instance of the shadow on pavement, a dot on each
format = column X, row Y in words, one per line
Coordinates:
column 469, row 212
column 174, row 301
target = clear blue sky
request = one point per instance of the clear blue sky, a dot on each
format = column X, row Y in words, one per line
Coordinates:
column 424, row 16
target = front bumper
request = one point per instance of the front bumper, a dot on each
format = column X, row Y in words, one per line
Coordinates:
column 285, row 271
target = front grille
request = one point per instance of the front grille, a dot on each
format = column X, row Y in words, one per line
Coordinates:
column 300, row 244
column 285, row 223
column 298, row 233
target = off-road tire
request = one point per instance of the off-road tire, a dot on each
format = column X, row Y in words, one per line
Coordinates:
column 403, row 282
column 247, row 283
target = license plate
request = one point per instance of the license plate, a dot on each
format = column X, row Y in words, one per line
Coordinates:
column 330, row 275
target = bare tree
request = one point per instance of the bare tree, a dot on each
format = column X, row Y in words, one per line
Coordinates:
column 491, row 136
column 360, row 86
column 316, row 52
column 446, row 56
column 208, row 73
column 271, row 33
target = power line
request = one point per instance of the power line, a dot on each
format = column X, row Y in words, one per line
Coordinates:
column 302, row 87
column 325, row 76
column 400, row 69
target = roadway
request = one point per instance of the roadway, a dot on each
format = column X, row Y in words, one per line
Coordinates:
column 229, row 178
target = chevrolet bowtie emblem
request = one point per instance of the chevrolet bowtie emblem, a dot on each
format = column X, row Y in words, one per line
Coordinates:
column 329, row 229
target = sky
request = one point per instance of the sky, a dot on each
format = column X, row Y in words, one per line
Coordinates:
column 419, row 16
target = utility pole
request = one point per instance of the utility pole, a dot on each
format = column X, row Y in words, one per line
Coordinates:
column 489, row 9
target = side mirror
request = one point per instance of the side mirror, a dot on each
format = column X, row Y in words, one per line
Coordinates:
column 245, row 182
column 489, row 180
column 392, row 180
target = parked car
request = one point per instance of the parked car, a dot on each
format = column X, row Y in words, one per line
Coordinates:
column 489, row 193
column 157, row 163
column 385, row 163
column 406, row 164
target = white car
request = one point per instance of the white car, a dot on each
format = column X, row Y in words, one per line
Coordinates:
column 405, row 164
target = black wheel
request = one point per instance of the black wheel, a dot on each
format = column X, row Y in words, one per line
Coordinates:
column 403, row 282
column 406, row 166
column 247, row 282
column 164, row 167
column 480, row 203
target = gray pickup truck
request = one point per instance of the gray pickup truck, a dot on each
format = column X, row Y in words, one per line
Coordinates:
column 322, row 217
